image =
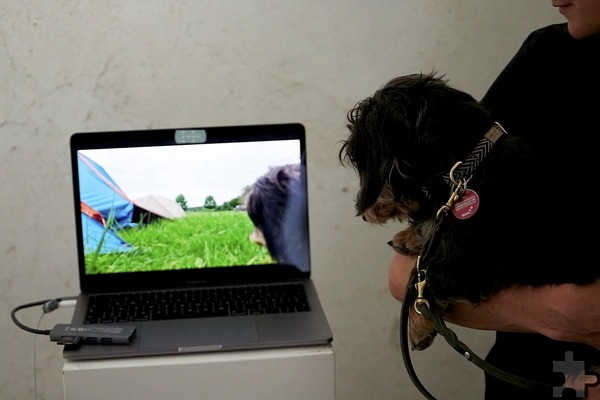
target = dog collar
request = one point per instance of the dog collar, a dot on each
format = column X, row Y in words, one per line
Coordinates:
column 464, row 171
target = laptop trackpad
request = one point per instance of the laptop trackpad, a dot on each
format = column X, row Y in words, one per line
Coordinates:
column 196, row 335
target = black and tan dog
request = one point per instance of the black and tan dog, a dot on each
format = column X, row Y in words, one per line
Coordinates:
column 432, row 156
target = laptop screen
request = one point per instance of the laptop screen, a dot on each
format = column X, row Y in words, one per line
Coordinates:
column 185, row 201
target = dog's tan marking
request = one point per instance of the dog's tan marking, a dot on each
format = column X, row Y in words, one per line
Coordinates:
column 256, row 236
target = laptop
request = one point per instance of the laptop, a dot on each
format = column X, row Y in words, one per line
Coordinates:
column 196, row 239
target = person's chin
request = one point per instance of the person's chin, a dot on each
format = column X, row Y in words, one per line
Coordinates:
column 576, row 33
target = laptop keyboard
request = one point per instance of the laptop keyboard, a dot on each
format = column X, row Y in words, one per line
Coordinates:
column 196, row 303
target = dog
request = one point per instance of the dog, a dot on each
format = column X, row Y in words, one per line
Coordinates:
column 277, row 209
column 408, row 143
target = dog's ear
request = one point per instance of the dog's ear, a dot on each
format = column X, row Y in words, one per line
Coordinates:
column 366, row 153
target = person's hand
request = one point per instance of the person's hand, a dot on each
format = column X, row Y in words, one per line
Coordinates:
column 566, row 312
column 399, row 271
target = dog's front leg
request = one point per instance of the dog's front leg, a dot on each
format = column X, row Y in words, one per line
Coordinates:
column 408, row 242
column 420, row 331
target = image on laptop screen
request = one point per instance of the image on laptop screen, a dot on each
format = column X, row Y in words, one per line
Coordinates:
column 206, row 205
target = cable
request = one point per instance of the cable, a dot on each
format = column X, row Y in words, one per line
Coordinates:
column 35, row 358
column 47, row 306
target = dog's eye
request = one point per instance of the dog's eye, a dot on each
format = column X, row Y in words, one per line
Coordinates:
column 364, row 218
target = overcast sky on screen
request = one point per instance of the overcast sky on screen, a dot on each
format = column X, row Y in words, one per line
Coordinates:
column 196, row 171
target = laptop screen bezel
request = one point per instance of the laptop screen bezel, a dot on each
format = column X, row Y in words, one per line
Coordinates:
column 185, row 277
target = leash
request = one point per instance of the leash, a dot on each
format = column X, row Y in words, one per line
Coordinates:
column 453, row 340
column 458, row 177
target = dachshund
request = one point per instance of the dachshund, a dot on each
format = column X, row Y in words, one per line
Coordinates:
column 480, row 205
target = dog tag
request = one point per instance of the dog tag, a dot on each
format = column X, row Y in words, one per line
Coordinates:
column 466, row 206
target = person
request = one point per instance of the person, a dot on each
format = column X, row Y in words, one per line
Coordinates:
column 548, row 92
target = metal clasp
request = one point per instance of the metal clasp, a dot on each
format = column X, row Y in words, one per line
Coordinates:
column 420, row 287
column 458, row 189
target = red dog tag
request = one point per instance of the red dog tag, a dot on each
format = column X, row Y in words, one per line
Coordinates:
column 466, row 206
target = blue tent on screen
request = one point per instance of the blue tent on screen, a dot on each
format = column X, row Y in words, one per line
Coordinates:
column 104, row 208
column 101, row 239
column 98, row 190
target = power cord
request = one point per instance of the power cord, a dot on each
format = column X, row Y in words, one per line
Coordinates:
column 47, row 306
column 35, row 396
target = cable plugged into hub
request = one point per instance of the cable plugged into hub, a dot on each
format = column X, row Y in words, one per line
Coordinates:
column 66, row 334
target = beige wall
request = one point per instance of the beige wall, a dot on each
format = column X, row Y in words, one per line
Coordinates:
column 69, row 66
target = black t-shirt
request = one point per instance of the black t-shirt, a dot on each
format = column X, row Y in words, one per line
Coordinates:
column 550, row 92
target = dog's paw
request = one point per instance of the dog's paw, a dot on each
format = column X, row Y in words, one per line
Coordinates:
column 408, row 242
column 420, row 331
column 422, row 343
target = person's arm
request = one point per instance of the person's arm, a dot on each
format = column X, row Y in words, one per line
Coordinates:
column 564, row 312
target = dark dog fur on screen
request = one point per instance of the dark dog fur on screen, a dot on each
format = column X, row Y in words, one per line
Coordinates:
column 402, row 140
column 277, row 210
